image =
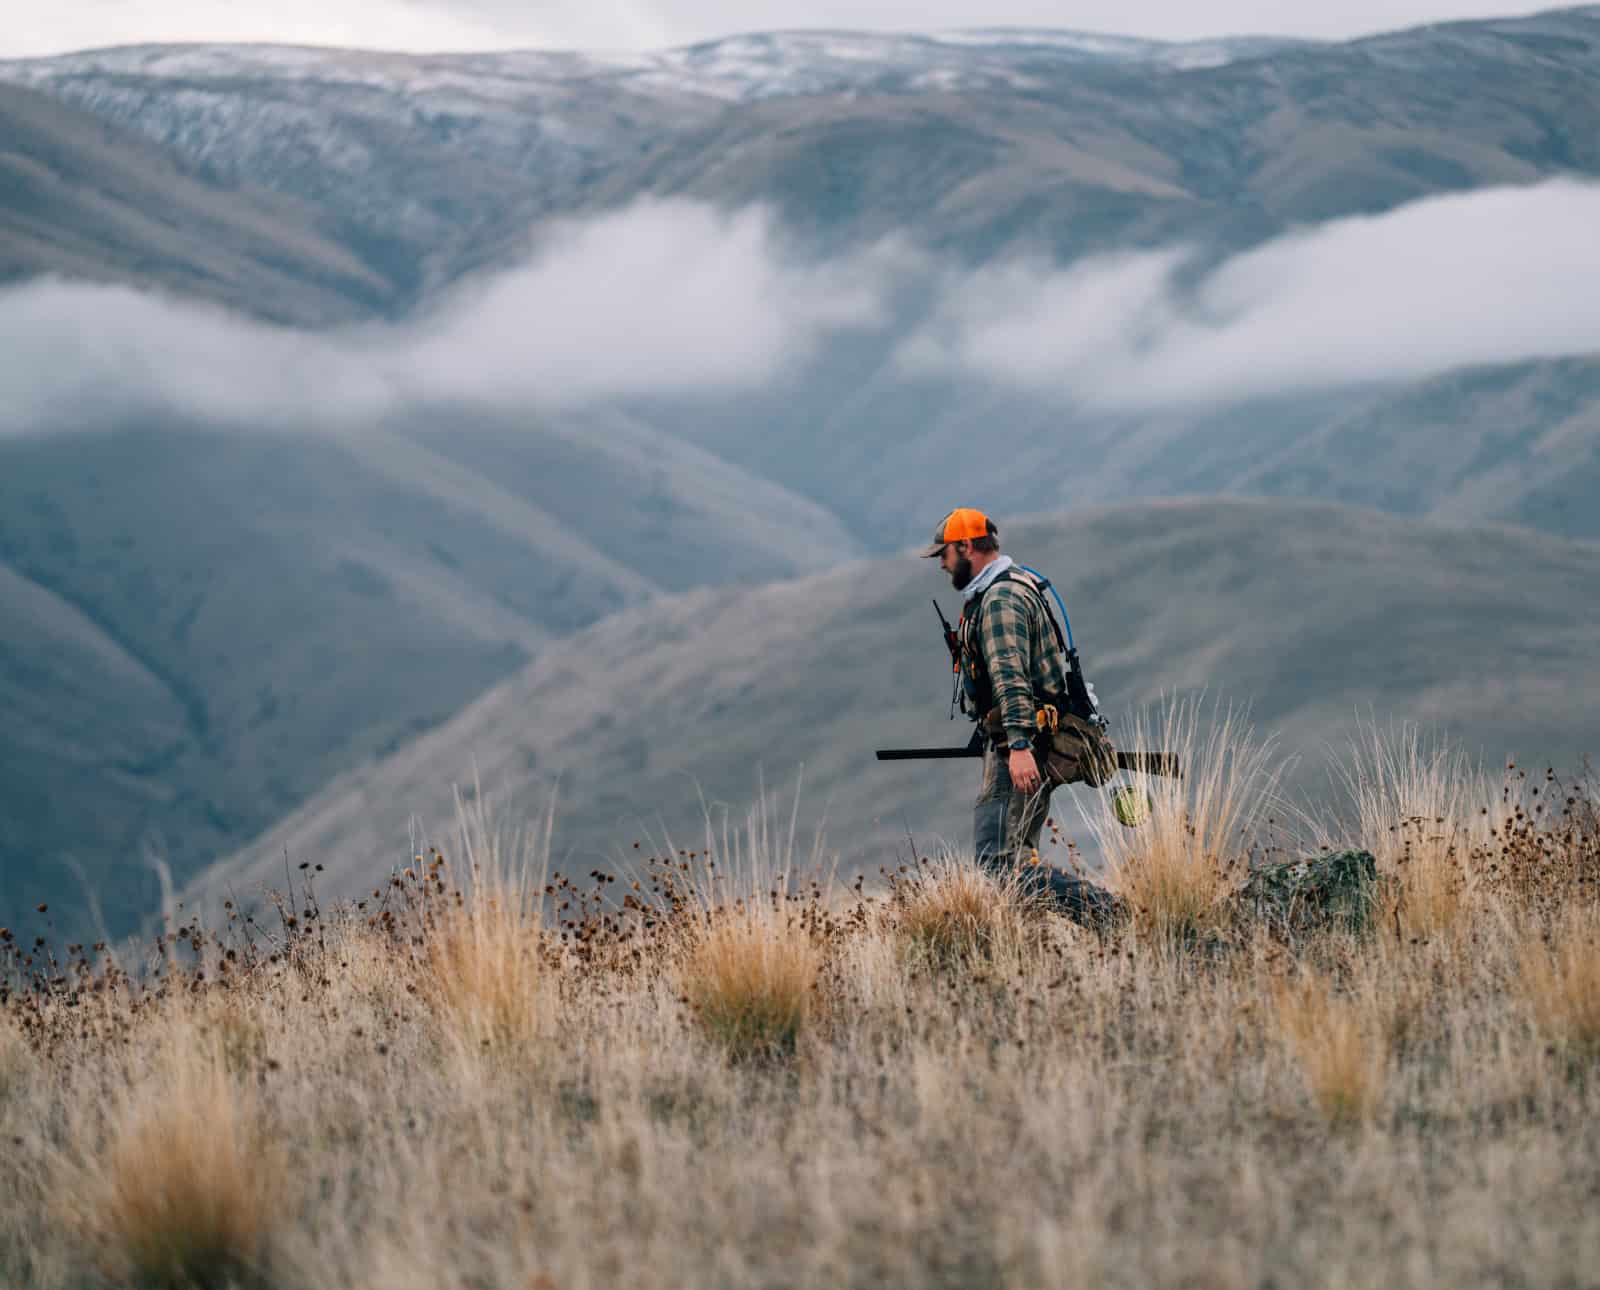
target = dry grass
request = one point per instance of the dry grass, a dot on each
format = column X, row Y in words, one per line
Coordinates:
column 484, row 957
column 1560, row 977
column 748, row 947
column 1132, row 1110
column 1341, row 1054
column 16, row 1061
column 485, row 976
column 188, row 1187
column 1421, row 809
column 1180, row 867
column 950, row 911
column 750, row 977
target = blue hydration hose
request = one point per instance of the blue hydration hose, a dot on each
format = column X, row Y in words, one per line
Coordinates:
column 1060, row 604
column 1074, row 668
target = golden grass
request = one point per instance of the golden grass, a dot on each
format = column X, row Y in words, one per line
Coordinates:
column 188, row 1186
column 1421, row 809
column 750, row 977
column 1561, row 980
column 748, row 945
column 951, row 911
column 484, row 954
column 1181, row 866
column 1341, row 1053
column 484, row 975
column 1117, row 1110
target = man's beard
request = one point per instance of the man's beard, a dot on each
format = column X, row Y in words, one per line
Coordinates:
column 961, row 575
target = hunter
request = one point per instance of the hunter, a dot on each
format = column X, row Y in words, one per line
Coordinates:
column 1013, row 668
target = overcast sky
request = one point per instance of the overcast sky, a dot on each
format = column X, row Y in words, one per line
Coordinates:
column 41, row 28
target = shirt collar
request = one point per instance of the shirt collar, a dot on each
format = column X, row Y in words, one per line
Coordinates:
column 980, row 584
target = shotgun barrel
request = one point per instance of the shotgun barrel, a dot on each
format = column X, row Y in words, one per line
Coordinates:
column 1142, row 763
column 926, row 754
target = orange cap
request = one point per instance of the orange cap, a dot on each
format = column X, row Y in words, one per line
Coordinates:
column 961, row 525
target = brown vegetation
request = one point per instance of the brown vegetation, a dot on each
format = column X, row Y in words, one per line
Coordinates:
column 950, row 911
column 187, row 1187
column 708, row 1073
column 1181, row 866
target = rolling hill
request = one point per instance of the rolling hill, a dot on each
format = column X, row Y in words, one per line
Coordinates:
column 87, row 199
column 201, row 629
column 1313, row 615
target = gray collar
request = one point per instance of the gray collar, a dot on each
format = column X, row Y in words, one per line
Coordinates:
column 980, row 584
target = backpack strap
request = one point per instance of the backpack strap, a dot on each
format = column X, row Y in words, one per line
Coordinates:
column 1079, row 700
column 976, row 667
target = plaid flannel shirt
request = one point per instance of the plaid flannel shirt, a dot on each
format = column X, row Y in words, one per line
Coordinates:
column 1021, row 654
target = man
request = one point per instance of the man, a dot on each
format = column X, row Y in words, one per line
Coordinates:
column 1012, row 664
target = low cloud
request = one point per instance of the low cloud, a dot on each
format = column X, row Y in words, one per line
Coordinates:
column 676, row 298
column 660, row 299
column 1488, row 277
column 664, row 299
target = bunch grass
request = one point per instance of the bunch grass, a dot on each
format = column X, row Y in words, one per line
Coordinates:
column 1181, row 866
column 738, row 1073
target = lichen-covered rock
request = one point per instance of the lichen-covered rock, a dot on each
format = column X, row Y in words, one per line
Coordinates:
column 1338, row 888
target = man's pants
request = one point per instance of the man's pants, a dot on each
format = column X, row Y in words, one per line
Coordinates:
column 1006, row 826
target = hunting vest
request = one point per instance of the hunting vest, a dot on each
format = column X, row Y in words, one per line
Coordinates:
column 977, row 696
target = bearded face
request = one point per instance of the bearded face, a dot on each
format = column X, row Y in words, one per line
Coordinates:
column 960, row 569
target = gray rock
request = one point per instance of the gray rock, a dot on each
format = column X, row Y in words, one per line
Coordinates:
column 1333, row 889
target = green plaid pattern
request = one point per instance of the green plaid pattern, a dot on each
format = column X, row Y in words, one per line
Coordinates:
column 1020, row 652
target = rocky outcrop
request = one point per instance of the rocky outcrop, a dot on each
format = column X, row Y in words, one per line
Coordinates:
column 1332, row 889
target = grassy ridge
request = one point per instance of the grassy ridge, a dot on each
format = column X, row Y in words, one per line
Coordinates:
column 721, row 1070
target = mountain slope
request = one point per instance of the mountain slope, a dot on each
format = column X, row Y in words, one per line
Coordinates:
column 202, row 629
column 1311, row 614
column 1512, row 443
column 87, row 199
column 428, row 167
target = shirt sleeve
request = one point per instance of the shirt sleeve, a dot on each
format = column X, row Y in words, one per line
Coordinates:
column 1003, row 629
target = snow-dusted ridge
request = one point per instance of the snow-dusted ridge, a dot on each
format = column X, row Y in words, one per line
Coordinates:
column 738, row 68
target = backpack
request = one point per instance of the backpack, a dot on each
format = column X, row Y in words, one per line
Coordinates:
column 1071, row 744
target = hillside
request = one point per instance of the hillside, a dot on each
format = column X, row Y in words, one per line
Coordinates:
column 84, row 198
column 202, row 629
column 1313, row 615
column 976, row 141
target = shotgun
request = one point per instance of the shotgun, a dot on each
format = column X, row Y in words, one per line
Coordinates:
column 1140, row 763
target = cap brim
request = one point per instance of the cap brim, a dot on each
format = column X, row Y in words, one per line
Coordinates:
column 936, row 549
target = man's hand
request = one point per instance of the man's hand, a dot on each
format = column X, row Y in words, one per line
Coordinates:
column 1025, row 776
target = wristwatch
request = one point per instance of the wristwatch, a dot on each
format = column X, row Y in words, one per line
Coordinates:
column 1019, row 745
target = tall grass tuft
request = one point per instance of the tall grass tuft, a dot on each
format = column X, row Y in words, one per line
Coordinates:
column 1181, row 866
column 485, row 970
column 1341, row 1056
column 189, row 1188
column 750, row 976
column 952, row 912
column 750, row 956
column 1561, row 982
column 1422, row 810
